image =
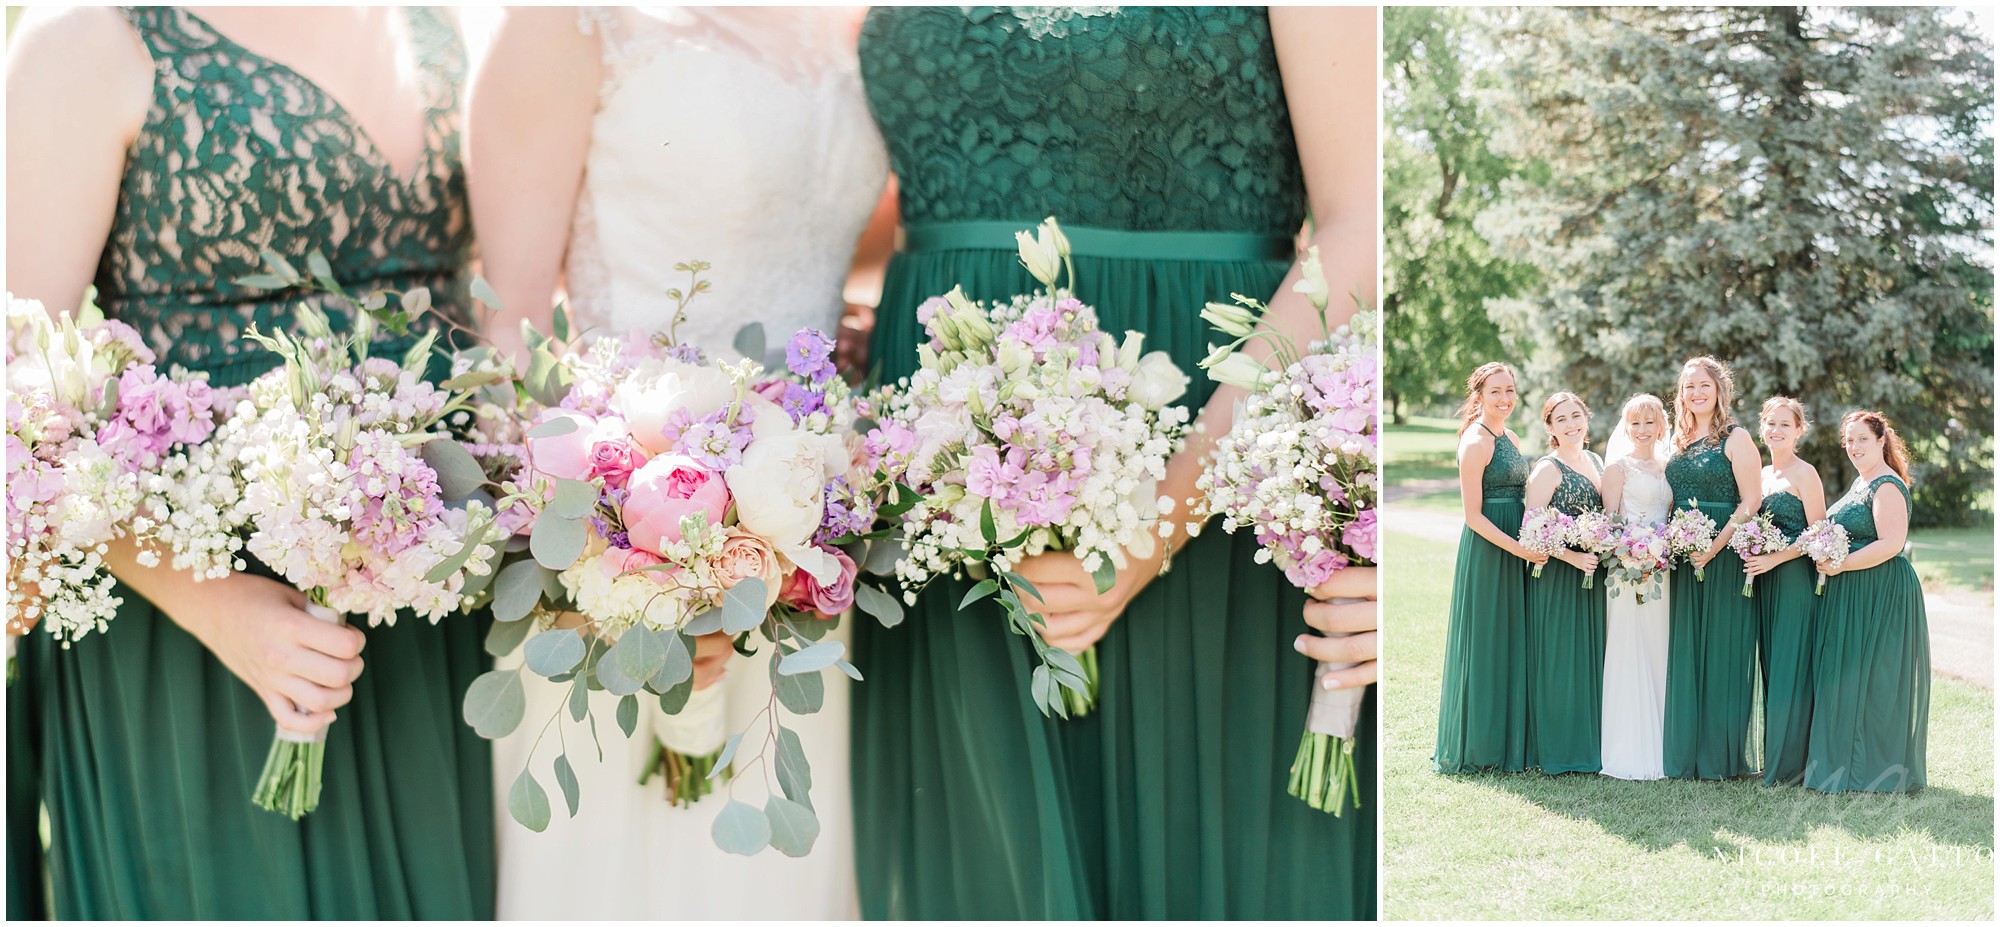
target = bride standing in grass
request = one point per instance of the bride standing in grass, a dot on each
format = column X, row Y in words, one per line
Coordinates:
column 1635, row 634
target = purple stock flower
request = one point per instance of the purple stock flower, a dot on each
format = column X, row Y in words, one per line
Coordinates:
column 810, row 355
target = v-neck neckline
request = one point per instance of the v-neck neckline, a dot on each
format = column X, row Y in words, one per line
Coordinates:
column 404, row 180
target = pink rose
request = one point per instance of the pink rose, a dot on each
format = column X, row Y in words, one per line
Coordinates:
column 666, row 490
column 618, row 560
column 806, row 594
column 614, row 460
column 745, row 555
column 564, row 456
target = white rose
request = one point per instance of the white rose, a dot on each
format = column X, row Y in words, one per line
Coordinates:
column 657, row 388
column 1158, row 381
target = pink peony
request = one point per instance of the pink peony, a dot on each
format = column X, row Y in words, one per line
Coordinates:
column 806, row 594
column 666, row 490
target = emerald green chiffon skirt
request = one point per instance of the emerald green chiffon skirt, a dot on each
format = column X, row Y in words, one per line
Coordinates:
column 1483, row 709
column 1712, row 636
column 147, row 748
column 1168, row 800
column 1871, row 683
column 1565, row 670
column 1786, row 607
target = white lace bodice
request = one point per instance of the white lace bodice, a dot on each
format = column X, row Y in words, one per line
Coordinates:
column 1647, row 498
column 738, row 136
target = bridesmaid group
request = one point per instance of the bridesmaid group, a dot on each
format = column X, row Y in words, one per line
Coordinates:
column 1183, row 148
column 1841, row 680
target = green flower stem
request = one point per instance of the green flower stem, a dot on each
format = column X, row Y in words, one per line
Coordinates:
column 1323, row 774
column 686, row 775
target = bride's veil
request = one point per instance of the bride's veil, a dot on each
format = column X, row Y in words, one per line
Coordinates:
column 1620, row 443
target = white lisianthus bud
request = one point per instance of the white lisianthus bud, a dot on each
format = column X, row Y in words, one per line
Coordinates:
column 1158, row 381
column 1312, row 279
column 1217, row 355
column 1052, row 232
column 1234, row 321
column 1238, row 370
column 1014, row 356
column 1039, row 255
column 1130, row 352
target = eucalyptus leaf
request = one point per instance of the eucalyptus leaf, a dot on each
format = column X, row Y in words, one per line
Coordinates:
column 750, row 340
column 794, row 827
column 639, row 653
column 615, row 680
column 483, row 291
column 474, row 379
column 800, row 693
column 516, row 590
column 263, row 282
column 528, row 803
column 628, row 714
column 741, row 829
column 458, row 474
column 812, row 659
column 678, row 667
column 557, row 542
column 675, row 697
column 504, row 636
column 882, row 556
column 794, row 773
column 705, row 622
column 573, row 499
column 553, row 428
column 554, row 651
column 848, row 668
column 728, row 753
column 495, row 703
column 562, row 323
column 579, row 700
column 885, row 608
column 566, row 780
column 743, row 606
column 321, row 270
column 454, row 563
column 279, row 266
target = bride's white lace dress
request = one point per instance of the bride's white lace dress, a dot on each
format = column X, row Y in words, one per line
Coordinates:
column 1635, row 651
column 739, row 137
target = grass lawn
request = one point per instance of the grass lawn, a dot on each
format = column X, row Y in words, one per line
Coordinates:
column 1421, row 449
column 1534, row 847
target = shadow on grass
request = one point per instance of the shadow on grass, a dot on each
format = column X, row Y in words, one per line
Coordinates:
column 1710, row 817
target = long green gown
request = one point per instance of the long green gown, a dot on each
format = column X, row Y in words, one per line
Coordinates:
column 148, row 747
column 1711, row 634
column 1786, row 636
column 1483, row 711
column 1159, row 137
column 1566, row 648
column 1872, row 669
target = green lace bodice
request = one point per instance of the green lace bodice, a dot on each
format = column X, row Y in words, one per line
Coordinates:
column 1576, row 494
column 1506, row 475
column 1142, row 118
column 1701, row 473
column 1856, row 510
column 240, row 153
column 1788, row 513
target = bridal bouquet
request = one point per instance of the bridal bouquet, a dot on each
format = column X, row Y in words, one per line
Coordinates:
column 669, row 497
column 1300, row 467
column 1639, row 559
column 1546, row 530
column 1689, row 535
column 1757, row 536
column 1596, row 533
column 340, row 467
column 1027, row 429
column 88, row 418
column 1824, row 541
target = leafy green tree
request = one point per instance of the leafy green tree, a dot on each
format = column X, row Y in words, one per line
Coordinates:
column 1440, row 172
column 1805, row 193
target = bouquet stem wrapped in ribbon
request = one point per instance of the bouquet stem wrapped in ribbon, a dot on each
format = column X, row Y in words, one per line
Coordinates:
column 1824, row 541
column 1027, row 429
column 1759, row 535
column 1300, row 466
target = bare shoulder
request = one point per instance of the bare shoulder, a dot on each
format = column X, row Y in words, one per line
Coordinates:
column 49, row 42
column 1803, row 474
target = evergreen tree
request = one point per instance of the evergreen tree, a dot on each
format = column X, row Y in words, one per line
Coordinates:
column 1804, row 193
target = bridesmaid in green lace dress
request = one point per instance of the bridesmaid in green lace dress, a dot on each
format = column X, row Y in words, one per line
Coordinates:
column 157, row 173
column 1872, row 671
column 1565, row 620
column 1784, row 590
column 1180, row 148
column 1712, row 630
column 1483, row 710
